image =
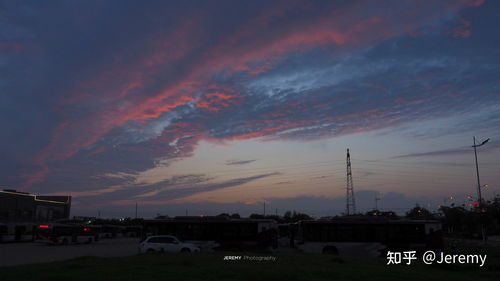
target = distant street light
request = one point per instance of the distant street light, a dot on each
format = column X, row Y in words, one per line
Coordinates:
column 479, row 197
column 449, row 198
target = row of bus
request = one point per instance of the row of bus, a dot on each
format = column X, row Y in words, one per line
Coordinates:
column 345, row 236
column 64, row 232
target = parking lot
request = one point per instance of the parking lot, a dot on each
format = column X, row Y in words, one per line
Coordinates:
column 28, row 253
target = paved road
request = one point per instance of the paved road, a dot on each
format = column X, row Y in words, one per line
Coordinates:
column 26, row 253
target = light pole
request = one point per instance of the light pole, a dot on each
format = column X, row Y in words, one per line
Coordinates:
column 479, row 197
column 376, row 202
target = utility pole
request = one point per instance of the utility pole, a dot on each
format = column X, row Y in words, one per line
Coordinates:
column 350, row 203
column 135, row 210
column 264, row 208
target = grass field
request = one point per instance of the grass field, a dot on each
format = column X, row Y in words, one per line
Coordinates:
column 211, row 266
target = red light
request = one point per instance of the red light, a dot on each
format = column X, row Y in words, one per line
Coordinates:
column 86, row 229
column 475, row 204
column 43, row 226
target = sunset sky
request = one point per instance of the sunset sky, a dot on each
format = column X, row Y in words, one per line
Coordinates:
column 220, row 106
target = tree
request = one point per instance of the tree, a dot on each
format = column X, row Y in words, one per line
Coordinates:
column 287, row 217
column 377, row 213
column 300, row 216
column 256, row 216
column 493, row 210
column 226, row 215
column 419, row 213
column 235, row 216
column 453, row 218
column 294, row 216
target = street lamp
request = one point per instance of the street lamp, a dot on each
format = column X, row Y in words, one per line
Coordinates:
column 480, row 199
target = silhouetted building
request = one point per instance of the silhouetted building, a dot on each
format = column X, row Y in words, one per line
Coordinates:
column 22, row 206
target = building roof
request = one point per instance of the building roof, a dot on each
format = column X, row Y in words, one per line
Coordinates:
column 40, row 198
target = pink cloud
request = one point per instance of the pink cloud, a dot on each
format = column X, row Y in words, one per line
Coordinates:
column 123, row 88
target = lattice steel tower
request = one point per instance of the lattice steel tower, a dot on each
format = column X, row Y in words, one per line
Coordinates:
column 350, row 204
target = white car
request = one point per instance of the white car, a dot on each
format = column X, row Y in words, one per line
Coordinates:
column 166, row 243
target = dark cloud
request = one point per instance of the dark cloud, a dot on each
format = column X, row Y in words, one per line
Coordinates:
column 98, row 89
column 167, row 193
column 128, row 191
column 464, row 150
column 240, row 162
column 492, row 145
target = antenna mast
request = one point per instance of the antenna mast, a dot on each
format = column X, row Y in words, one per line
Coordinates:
column 350, row 204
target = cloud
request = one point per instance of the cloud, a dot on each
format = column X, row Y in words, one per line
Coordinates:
column 105, row 92
column 162, row 193
column 453, row 151
column 129, row 191
column 240, row 162
column 174, row 183
column 457, row 151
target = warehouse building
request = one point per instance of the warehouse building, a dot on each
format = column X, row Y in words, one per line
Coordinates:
column 16, row 206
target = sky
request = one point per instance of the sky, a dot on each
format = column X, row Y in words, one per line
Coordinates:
column 204, row 107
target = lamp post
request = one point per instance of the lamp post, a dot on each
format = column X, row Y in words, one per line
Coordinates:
column 479, row 197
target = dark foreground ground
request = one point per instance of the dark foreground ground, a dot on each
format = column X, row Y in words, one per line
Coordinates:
column 212, row 266
column 28, row 253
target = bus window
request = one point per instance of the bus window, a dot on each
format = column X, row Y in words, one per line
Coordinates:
column 361, row 233
column 328, row 233
column 344, row 232
column 379, row 233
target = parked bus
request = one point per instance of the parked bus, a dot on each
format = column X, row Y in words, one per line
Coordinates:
column 132, row 231
column 16, row 232
column 365, row 237
column 109, row 231
column 96, row 230
column 217, row 233
column 64, row 234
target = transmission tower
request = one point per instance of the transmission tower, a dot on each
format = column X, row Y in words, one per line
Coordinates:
column 350, row 204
